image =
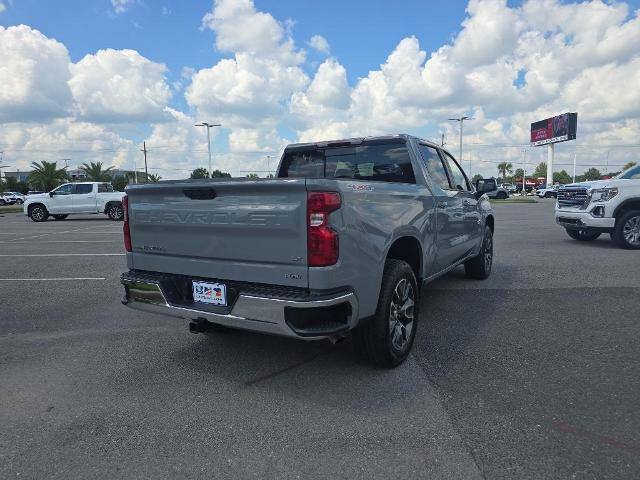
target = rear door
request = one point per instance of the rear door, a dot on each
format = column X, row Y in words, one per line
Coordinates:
column 449, row 209
column 84, row 198
column 468, row 223
column 239, row 230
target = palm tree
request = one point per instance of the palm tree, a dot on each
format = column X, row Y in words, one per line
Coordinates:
column 95, row 173
column 154, row 178
column 46, row 175
column 628, row 166
column 504, row 168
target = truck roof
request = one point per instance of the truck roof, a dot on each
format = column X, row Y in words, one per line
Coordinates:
column 358, row 140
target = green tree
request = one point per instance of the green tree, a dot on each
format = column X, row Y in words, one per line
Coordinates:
column 592, row 174
column 541, row 170
column 519, row 173
column 476, row 177
column 200, row 173
column 120, row 182
column 96, row 173
column 46, row 175
column 154, row 178
column 561, row 177
column 252, row 176
column 504, row 168
column 220, row 174
column 629, row 165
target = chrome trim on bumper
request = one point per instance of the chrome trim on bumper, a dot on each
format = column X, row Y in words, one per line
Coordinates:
column 260, row 314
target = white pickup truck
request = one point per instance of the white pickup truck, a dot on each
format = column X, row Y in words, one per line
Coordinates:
column 588, row 209
column 70, row 198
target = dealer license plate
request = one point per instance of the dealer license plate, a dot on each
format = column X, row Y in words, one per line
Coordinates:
column 211, row 293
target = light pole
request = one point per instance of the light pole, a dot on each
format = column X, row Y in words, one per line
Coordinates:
column 208, row 125
column 461, row 120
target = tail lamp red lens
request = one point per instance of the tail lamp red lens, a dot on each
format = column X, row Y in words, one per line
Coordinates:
column 125, row 225
column 322, row 240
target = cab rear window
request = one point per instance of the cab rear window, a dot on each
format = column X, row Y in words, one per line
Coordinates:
column 382, row 162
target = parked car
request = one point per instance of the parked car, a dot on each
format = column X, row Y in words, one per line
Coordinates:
column 500, row 193
column 10, row 198
column 551, row 192
column 588, row 209
column 341, row 241
column 72, row 198
column 509, row 187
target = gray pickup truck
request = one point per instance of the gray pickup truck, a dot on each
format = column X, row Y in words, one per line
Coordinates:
column 340, row 242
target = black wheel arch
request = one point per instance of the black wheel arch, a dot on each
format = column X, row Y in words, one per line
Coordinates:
column 629, row 204
column 109, row 203
column 33, row 205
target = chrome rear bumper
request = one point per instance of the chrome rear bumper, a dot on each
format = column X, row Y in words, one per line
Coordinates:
column 249, row 312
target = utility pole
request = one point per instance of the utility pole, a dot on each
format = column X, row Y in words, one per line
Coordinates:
column 442, row 140
column 146, row 171
column 269, row 163
column 524, row 171
column 208, row 125
column 461, row 120
column 575, row 155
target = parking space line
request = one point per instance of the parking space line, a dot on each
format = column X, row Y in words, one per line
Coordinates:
column 45, row 242
column 62, row 279
column 51, row 233
column 64, row 255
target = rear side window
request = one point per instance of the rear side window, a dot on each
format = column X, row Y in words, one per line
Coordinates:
column 83, row 188
column 105, row 187
column 435, row 167
column 382, row 162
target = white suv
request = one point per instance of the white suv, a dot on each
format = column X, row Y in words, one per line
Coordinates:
column 9, row 198
column 588, row 209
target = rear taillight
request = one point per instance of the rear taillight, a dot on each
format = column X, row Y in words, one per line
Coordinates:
column 125, row 225
column 322, row 240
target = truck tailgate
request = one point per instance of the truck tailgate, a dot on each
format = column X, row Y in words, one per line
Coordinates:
column 252, row 231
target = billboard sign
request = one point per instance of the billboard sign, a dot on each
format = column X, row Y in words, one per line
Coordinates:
column 555, row 129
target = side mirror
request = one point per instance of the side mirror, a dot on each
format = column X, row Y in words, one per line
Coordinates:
column 485, row 185
column 51, row 194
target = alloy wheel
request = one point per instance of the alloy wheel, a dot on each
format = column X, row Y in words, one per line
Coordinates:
column 401, row 313
column 631, row 231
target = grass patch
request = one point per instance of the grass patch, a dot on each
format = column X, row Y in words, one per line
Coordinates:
column 514, row 200
column 10, row 208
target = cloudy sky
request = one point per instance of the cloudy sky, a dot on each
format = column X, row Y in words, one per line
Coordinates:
column 92, row 80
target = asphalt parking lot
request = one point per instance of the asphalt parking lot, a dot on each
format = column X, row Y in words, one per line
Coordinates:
column 534, row 373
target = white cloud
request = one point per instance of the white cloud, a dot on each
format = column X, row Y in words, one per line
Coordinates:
column 319, row 43
column 34, row 71
column 119, row 85
column 3, row 7
column 121, row 6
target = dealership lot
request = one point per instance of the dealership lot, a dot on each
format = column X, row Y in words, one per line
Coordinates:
column 533, row 373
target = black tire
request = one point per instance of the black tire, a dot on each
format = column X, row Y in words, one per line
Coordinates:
column 386, row 338
column 582, row 234
column 38, row 213
column 627, row 231
column 60, row 217
column 2, row 202
column 548, row 195
column 19, row 201
column 115, row 211
column 479, row 267
column 501, row 196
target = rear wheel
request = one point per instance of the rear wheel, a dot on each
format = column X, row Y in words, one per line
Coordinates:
column 115, row 211
column 582, row 234
column 60, row 217
column 627, row 231
column 548, row 195
column 38, row 213
column 501, row 195
column 19, row 201
column 479, row 267
column 386, row 339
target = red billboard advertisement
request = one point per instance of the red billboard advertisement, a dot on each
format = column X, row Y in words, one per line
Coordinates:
column 555, row 129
